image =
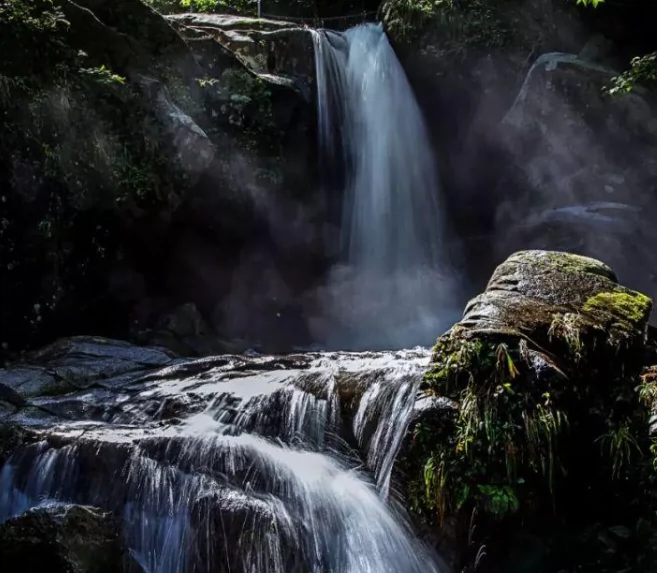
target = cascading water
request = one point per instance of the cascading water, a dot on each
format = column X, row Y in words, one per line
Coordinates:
column 394, row 287
column 252, row 475
column 275, row 464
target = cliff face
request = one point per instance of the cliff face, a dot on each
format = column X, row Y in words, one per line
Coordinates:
column 534, row 150
column 143, row 163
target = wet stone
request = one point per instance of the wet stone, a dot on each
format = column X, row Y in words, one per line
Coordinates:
column 61, row 539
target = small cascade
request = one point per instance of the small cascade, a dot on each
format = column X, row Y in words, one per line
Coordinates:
column 238, row 465
column 394, row 287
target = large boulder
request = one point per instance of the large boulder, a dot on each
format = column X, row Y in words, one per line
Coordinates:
column 61, row 539
column 265, row 46
column 543, row 368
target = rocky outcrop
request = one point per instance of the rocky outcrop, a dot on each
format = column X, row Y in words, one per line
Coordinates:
column 143, row 164
column 269, row 47
column 544, row 367
column 533, row 152
column 477, row 50
column 583, row 164
column 61, row 539
column 542, row 389
column 467, row 60
column 95, row 379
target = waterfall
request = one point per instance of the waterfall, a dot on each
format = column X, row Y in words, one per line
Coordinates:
column 394, row 287
column 255, row 476
column 255, row 464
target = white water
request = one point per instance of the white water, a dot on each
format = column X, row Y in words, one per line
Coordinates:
column 394, row 287
column 261, row 480
column 257, row 482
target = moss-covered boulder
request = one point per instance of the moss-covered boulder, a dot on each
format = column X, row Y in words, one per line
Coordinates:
column 544, row 367
column 61, row 539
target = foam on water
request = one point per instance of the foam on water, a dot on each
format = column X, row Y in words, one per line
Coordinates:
column 395, row 286
column 251, row 484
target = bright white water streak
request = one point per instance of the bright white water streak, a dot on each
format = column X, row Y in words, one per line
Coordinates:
column 395, row 287
column 215, row 495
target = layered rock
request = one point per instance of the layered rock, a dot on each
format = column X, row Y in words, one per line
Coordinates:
column 529, row 400
column 190, row 453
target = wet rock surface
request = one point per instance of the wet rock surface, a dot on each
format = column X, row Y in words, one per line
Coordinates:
column 97, row 379
column 193, row 452
column 61, row 539
column 542, row 364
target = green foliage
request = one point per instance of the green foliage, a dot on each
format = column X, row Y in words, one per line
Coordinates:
column 462, row 24
column 620, row 445
column 499, row 500
column 501, row 438
column 35, row 29
column 643, row 71
column 519, row 444
column 101, row 75
column 566, row 327
column 406, row 18
column 244, row 7
column 78, row 150
column 248, row 104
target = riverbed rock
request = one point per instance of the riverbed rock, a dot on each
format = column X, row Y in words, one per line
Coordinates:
column 61, row 539
column 544, row 367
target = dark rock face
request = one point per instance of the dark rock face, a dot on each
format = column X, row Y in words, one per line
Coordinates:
column 583, row 163
column 61, row 539
column 544, row 368
column 467, row 60
column 533, row 153
column 142, row 165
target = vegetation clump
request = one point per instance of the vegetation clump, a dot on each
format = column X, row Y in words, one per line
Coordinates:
column 625, row 305
column 546, row 405
column 460, row 24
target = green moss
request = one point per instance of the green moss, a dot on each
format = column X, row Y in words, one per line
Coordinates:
column 627, row 306
column 543, row 372
column 569, row 262
column 502, row 436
